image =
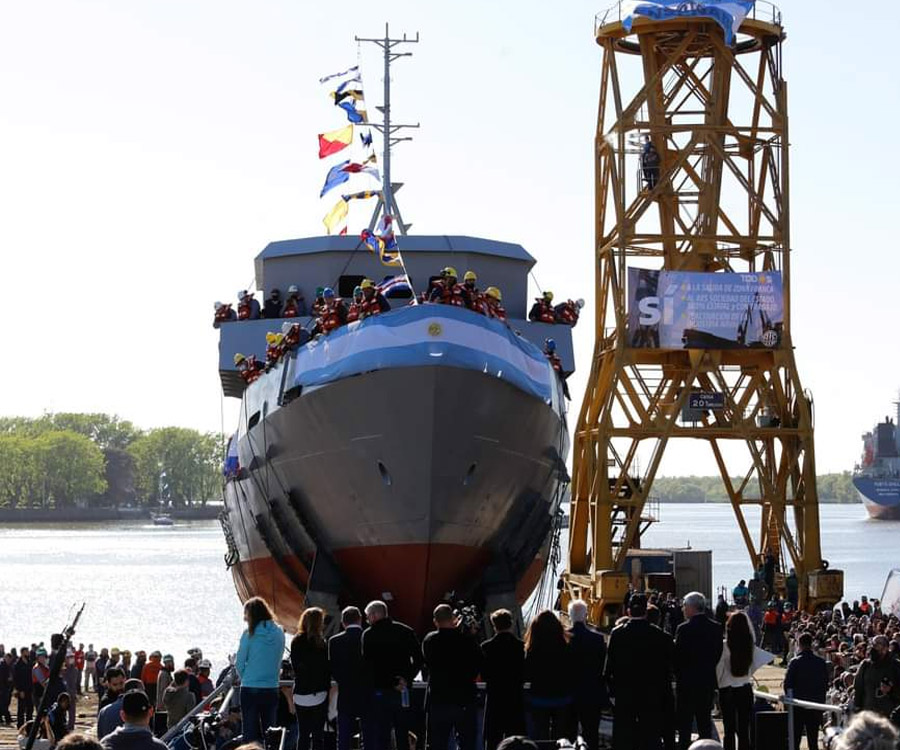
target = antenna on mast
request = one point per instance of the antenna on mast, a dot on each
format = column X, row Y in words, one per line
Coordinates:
column 387, row 204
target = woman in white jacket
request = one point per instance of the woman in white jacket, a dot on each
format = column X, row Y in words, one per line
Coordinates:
column 741, row 657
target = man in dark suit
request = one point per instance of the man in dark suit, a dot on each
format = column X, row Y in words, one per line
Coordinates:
column 503, row 670
column 453, row 663
column 807, row 676
column 346, row 664
column 639, row 676
column 588, row 649
column 393, row 658
column 698, row 647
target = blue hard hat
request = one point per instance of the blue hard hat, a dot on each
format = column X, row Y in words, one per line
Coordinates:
column 550, row 345
column 328, row 292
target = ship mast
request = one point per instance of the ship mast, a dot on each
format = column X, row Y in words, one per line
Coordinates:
column 387, row 204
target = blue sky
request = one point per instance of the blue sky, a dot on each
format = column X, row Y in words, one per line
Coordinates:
column 150, row 149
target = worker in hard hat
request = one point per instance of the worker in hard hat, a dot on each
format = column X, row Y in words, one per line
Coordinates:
column 248, row 368
column 556, row 364
column 333, row 314
column 567, row 312
column 476, row 298
column 273, row 348
column 318, row 303
column 294, row 305
column 248, row 308
column 448, row 291
column 223, row 314
column 373, row 301
column 493, row 304
column 355, row 307
column 542, row 309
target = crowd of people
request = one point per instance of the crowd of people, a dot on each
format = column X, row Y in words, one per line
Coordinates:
column 109, row 673
column 661, row 673
column 329, row 312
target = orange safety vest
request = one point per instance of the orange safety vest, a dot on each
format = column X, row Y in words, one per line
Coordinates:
column 353, row 312
column 224, row 314
column 369, row 306
column 330, row 318
column 273, row 353
column 555, row 361
column 291, row 308
column 452, row 296
column 771, row 617
column 494, row 309
column 864, row 608
column 476, row 299
column 244, row 308
column 546, row 314
column 249, row 372
column 317, row 307
column 568, row 313
column 292, row 337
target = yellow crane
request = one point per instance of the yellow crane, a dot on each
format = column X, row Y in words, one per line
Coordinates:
column 693, row 334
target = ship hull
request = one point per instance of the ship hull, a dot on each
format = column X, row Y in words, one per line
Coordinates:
column 881, row 497
column 403, row 484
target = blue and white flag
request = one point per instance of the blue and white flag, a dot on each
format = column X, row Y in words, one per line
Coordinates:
column 729, row 14
column 337, row 175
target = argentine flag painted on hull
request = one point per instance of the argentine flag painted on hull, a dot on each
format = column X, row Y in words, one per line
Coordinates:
column 427, row 336
column 729, row 14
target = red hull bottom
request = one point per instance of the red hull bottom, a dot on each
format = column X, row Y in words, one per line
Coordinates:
column 421, row 575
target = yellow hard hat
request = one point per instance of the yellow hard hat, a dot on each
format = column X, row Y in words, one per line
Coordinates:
column 492, row 291
column 470, row 276
column 270, row 337
column 366, row 284
column 548, row 296
column 450, row 271
column 238, row 358
column 279, row 337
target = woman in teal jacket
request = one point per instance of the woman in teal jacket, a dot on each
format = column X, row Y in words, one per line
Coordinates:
column 258, row 663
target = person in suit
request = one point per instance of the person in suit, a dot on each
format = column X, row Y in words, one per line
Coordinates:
column 453, row 663
column 638, row 674
column 588, row 660
column 807, row 676
column 503, row 671
column 347, row 669
column 698, row 648
column 393, row 658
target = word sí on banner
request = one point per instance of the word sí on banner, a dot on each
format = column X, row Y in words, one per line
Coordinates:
column 696, row 310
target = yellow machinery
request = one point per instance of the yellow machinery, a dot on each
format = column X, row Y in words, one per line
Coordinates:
column 716, row 115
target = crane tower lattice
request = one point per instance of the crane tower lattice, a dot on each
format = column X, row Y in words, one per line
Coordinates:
column 718, row 203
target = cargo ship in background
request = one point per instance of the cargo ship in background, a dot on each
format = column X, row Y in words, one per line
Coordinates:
column 415, row 456
column 877, row 477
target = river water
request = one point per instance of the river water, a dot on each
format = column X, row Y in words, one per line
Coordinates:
column 167, row 587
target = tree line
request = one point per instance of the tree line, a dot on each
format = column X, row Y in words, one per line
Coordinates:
column 832, row 488
column 100, row 460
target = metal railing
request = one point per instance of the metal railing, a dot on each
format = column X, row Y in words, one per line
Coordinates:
column 790, row 703
column 762, row 11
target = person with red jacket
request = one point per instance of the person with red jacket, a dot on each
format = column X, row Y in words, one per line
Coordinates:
column 248, row 308
column 150, row 675
column 295, row 305
column 333, row 312
column 373, row 302
column 542, row 310
column 448, row 291
column 493, row 307
column 356, row 306
column 567, row 312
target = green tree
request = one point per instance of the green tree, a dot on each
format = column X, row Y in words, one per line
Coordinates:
column 71, row 468
column 177, row 465
column 19, row 470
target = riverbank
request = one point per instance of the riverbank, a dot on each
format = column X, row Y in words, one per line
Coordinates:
column 94, row 515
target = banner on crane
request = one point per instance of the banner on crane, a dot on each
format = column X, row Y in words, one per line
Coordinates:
column 695, row 310
column 729, row 14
